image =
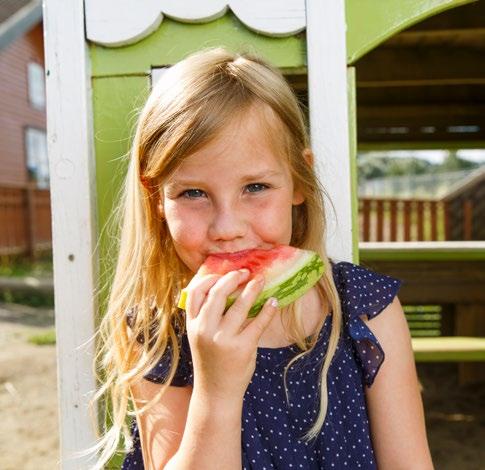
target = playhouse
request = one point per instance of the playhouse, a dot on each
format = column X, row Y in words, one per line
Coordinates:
column 101, row 59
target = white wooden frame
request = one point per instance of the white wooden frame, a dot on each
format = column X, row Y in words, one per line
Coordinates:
column 71, row 156
column 329, row 122
column 269, row 17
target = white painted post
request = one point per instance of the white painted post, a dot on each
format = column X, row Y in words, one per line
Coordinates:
column 71, row 157
column 327, row 88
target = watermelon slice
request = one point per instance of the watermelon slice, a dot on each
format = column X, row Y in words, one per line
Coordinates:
column 288, row 272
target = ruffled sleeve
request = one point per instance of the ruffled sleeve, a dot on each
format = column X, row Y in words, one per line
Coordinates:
column 184, row 372
column 364, row 292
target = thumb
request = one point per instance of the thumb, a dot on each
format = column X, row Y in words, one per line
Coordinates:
column 256, row 328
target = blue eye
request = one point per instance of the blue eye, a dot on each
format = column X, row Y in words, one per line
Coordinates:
column 257, row 187
column 192, row 193
column 198, row 193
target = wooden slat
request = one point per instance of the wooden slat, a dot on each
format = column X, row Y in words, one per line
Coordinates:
column 380, row 220
column 419, row 205
column 446, row 217
column 407, row 221
column 435, row 282
column 449, row 349
column 393, row 208
column 467, row 219
column 366, row 219
column 433, row 207
column 25, row 220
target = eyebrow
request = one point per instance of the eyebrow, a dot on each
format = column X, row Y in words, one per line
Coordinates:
column 252, row 177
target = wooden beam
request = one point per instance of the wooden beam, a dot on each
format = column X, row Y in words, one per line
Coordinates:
column 329, row 123
column 466, row 16
column 445, row 37
column 399, row 136
column 440, row 282
column 427, row 122
column 423, row 111
column 420, row 66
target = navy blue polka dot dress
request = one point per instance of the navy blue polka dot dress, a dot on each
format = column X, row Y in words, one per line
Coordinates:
column 272, row 429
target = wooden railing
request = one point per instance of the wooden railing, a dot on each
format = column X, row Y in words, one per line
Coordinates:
column 386, row 219
column 391, row 219
column 25, row 219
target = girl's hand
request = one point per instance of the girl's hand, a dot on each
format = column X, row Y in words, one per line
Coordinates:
column 223, row 352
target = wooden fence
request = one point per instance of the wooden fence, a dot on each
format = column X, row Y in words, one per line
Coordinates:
column 25, row 220
column 391, row 219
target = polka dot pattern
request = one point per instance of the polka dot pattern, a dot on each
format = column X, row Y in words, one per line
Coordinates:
column 272, row 428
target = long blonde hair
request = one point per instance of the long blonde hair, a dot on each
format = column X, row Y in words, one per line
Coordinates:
column 186, row 109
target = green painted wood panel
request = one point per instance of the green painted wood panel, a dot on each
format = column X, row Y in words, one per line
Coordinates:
column 371, row 22
column 449, row 349
column 116, row 101
column 351, row 94
column 423, row 254
column 173, row 40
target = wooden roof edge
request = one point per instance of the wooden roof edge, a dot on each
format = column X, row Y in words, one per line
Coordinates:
column 20, row 22
column 462, row 186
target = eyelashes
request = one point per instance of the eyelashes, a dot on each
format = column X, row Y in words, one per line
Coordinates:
column 195, row 193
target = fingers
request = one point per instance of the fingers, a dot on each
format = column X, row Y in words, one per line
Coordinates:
column 255, row 329
column 215, row 302
column 196, row 292
column 238, row 312
column 207, row 295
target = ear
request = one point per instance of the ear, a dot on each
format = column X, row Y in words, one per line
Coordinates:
column 160, row 207
column 308, row 156
column 298, row 197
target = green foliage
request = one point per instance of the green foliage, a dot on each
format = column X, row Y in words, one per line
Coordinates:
column 408, row 166
column 33, row 299
column 454, row 163
column 379, row 166
column 18, row 266
column 43, row 339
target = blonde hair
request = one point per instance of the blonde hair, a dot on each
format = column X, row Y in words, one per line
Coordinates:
column 187, row 108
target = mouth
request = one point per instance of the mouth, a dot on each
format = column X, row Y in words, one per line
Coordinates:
column 237, row 253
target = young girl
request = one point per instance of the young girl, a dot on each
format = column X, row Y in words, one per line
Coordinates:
column 221, row 163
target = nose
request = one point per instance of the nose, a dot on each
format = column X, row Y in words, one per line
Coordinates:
column 228, row 223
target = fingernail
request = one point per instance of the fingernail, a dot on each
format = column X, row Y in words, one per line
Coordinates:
column 273, row 302
column 244, row 271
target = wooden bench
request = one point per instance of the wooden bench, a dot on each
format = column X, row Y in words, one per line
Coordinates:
column 449, row 349
column 450, row 274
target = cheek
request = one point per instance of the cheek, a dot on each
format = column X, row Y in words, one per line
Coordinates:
column 185, row 229
column 274, row 219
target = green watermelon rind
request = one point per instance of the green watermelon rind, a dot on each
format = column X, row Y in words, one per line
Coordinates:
column 291, row 289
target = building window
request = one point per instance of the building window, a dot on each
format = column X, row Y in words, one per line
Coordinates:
column 36, row 84
column 37, row 161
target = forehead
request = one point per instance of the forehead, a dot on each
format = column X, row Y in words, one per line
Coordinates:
column 244, row 145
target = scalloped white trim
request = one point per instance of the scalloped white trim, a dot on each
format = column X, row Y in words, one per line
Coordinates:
column 116, row 23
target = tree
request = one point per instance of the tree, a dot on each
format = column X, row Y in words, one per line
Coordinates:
column 454, row 163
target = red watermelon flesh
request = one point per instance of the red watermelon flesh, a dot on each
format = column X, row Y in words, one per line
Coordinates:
column 288, row 272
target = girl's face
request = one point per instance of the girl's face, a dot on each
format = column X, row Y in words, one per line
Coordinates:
column 233, row 194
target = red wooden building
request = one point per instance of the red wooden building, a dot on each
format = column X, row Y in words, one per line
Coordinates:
column 25, row 225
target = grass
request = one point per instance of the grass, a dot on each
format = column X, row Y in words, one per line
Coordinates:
column 43, row 339
column 19, row 266
column 32, row 299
